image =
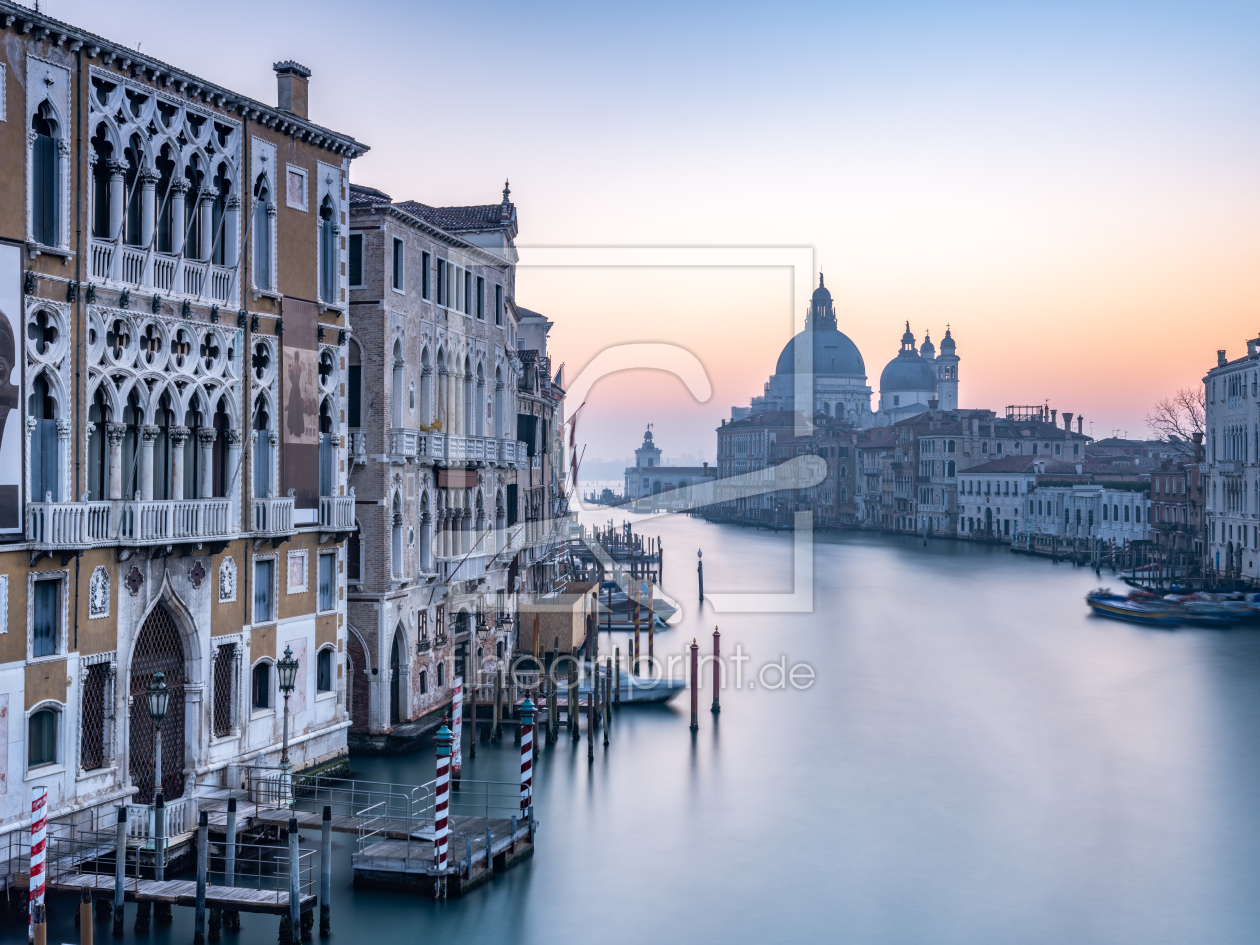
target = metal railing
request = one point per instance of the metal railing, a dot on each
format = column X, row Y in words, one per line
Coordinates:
column 258, row 866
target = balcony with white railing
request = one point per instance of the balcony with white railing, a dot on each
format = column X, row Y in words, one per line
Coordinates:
column 61, row 524
column 336, row 511
column 273, row 515
column 403, row 443
column 462, row 568
column 128, row 265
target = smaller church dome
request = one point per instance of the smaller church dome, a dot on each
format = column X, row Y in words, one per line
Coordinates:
column 947, row 343
column 907, row 371
column 927, row 350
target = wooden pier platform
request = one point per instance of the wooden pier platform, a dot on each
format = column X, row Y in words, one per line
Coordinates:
column 183, row 892
column 409, row 864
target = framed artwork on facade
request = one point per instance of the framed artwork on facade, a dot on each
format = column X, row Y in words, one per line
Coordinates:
column 298, row 582
column 295, row 187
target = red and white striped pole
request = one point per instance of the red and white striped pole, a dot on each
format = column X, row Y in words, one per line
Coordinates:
column 457, row 729
column 442, row 798
column 39, row 850
column 695, row 684
column 527, row 757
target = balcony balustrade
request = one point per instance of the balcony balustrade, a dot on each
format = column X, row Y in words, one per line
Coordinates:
column 336, row 511
column 462, row 568
column 60, row 524
column 133, row 266
column 273, row 515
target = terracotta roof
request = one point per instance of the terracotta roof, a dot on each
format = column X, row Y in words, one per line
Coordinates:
column 455, row 219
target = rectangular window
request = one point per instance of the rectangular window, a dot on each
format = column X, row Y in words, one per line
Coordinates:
column 511, row 504
column 224, row 689
column 356, row 259
column 498, row 304
column 92, row 743
column 467, row 306
column 327, row 582
column 425, row 262
column 398, row 265
column 44, row 618
column 354, row 374
column 264, row 576
column 441, row 282
column 481, row 298
column 42, row 738
column 323, row 682
column 262, row 686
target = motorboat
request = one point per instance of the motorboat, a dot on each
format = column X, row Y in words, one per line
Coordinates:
column 638, row 689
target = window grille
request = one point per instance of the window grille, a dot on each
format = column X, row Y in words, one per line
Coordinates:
column 158, row 648
column 225, row 667
column 96, row 701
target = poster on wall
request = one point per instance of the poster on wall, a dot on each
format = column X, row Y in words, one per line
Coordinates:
column 300, row 408
column 10, row 388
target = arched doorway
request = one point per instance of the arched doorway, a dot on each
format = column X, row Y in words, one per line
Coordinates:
column 158, row 649
column 395, row 680
column 988, row 521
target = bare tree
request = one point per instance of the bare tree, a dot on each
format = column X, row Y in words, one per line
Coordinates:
column 1176, row 419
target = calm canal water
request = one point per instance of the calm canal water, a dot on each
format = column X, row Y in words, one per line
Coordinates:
column 978, row 761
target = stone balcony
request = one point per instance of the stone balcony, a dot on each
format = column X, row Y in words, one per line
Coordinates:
column 462, row 568
column 273, row 515
column 418, row 446
column 142, row 522
column 336, row 512
column 132, row 266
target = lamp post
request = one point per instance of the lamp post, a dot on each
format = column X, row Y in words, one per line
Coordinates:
column 287, row 667
column 159, row 694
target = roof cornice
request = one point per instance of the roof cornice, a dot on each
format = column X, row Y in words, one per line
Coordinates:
column 415, row 222
column 26, row 20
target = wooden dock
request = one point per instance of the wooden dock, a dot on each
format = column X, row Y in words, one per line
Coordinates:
column 408, row 863
column 183, row 892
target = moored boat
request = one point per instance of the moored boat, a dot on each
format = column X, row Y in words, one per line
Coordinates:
column 1149, row 612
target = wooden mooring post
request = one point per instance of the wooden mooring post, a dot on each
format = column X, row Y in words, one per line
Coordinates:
column 85, row 917
column 325, row 873
column 617, row 678
column 573, row 710
column 203, row 865
column 231, row 916
column 120, row 870
column 695, row 685
column 717, row 675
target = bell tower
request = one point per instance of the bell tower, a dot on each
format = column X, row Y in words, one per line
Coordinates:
column 946, row 365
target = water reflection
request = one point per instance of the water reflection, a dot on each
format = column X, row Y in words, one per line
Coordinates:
column 978, row 762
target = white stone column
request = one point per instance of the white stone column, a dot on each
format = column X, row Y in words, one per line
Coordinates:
column 231, row 231
column 148, row 204
column 426, row 542
column 114, row 432
column 205, row 220
column 179, row 191
column 205, row 443
column 179, row 436
column 64, row 425
column 117, row 195
column 148, row 434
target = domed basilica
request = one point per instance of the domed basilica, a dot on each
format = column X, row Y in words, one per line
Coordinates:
column 822, row 370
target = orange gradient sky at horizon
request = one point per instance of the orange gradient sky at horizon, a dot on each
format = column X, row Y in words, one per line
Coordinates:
column 1074, row 188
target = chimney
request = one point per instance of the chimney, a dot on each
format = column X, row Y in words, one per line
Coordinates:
column 1220, row 358
column 1067, row 421
column 1198, row 447
column 292, row 87
column 1080, row 424
column 1080, row 468
column 1251, row 348
column 1054, row 417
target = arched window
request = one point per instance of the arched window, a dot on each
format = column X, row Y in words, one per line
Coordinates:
column 323, row 670
column 133, row 153
column 45, row 176
column 949, row 447
column 261, row 688
column 950, row 468
column 396, row 387
column 327, row 251
column 396, row 545
column 262, row 233
column 42, row 738
column 441, row 674
column 262, row 453
column 424, row 682
column 45, row 456
column 101, row 197
column 221, row 187
column 327, row 455
column 98, row 449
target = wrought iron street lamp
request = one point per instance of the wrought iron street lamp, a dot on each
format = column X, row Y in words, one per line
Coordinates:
column 159, row 694
column 287, row 668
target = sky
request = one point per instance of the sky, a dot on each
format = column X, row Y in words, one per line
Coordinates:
column 1074, row 187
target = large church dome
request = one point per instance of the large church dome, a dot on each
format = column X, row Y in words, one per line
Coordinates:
column 834, row 354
